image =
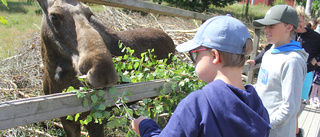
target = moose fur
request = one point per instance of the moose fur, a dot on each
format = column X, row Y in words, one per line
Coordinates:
column 75, row 43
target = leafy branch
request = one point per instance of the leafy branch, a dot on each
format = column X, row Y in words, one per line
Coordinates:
column 133, row 69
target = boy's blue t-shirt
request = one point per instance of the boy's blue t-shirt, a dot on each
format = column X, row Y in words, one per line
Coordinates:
column 219, row 110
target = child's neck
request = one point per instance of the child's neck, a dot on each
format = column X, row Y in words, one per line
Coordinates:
column 232, row 76
column 283, row 42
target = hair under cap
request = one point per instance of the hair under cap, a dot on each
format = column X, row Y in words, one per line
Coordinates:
column 223, row 33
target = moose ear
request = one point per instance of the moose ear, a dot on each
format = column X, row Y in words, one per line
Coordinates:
column 44, row 4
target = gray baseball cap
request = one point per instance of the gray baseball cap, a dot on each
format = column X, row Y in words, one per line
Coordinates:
column 278, row 14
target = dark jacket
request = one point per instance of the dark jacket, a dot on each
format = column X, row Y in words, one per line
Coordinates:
column 219, row 110
column 310, row 41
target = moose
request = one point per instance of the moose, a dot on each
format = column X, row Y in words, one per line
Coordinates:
column 74, row 43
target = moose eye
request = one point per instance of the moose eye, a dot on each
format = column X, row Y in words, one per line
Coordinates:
column 53, row 17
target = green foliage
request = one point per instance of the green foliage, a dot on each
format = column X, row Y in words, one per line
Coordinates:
column 133, row 69
column 277, row 2
column 3, row 20
column 315, row 5
column 301, row 2
column 198, row 5
column 4, row 2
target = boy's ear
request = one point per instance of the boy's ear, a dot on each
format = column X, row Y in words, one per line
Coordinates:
column 216, row 57
column 289, row 27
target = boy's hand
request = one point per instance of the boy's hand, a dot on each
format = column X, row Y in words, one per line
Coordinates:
column 313, row 61
column 135, row 123
column 251, row 62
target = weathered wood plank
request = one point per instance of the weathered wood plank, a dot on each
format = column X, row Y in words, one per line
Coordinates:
column 31, row 110
column 151, row 7
column 309, row 120
column 257, row 32
column 314, row 127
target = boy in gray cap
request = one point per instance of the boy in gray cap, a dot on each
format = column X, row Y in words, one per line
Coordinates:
column 282, row 71
column 224, row 107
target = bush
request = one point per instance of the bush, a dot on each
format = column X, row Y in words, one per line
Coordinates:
column 133, row 69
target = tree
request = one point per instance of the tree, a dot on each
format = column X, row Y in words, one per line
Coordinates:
column 316, row 7
column 308, row 7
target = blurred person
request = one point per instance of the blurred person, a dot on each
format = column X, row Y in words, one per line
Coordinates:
column 310, row 41
column 312, row 24
column 318, row 26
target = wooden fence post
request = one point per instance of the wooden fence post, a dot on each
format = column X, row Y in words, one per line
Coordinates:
column 256, row 39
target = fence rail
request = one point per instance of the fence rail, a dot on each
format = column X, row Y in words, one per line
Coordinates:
column 36, row 109
column 151, row 7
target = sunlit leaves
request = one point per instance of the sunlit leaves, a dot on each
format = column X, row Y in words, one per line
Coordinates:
column 131, row 69
column 3, row 20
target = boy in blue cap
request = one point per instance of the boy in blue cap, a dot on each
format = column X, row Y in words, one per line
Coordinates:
column 282, row 71
column 224, row 107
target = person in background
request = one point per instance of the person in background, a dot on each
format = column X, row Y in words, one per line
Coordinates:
column 282, row 70
column 318, row 26
column 258, row 58
column 224, row 107
column 315, row 89
column 312, row 24
column 310, row 41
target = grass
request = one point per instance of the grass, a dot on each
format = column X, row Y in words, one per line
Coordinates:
column 24, row 21
column 238, row 10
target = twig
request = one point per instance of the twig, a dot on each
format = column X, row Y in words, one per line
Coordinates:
column 37, row 26
column 21, row 89
column 183, row 31
column 34, row 131
column 157, row 22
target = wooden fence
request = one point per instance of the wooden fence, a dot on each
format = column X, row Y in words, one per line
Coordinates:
column 36, row 109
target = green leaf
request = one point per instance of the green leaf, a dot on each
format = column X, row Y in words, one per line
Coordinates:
column 3, row 20
column 106, row 114
column 125, row 57
column 123, row 50
column 82, row 122
column 97, row 114
column 85, row 102
column 113, row 90
column 94, row 98
column 83, row 88
column 69, row 117
column 80, row 94
column 102, row 107
column 101, row 93
column 126, row 79
column 88, row 119
column 136, row 65
column 145, row 101
column 76, row 117
column 5, row 3
column 70, row 88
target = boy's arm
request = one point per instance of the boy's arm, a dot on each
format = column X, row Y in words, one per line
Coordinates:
column 258, row 58
column 174, row 128
column 292, row 77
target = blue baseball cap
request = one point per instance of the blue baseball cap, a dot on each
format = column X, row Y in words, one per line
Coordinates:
column 223, row 33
